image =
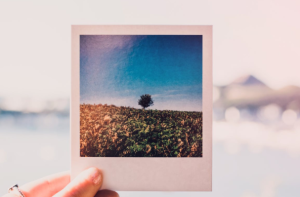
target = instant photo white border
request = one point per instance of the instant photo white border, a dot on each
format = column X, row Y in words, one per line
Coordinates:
column 154, row 173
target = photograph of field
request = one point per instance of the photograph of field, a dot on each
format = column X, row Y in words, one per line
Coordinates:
column 141, row 96
column 110, row 131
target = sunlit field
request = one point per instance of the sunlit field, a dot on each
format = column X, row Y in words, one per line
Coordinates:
column 110, row 131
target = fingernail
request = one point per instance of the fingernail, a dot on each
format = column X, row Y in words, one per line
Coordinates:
column 96, row 176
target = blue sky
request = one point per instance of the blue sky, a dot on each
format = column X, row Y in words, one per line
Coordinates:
column 117, row 69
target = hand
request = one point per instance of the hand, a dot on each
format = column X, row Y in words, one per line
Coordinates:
column 86, row 184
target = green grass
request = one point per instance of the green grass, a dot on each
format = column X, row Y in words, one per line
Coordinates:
column 110, row 131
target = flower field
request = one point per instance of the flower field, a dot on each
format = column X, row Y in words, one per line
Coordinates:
column 110, row 131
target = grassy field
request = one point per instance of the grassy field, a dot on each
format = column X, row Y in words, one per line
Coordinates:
column 110, row 131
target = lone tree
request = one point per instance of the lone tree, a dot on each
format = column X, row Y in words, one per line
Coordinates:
column 145, row 101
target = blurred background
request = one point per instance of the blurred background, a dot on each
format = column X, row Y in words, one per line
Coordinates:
column 256, row 95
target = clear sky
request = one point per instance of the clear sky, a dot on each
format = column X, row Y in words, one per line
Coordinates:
column 117, row 69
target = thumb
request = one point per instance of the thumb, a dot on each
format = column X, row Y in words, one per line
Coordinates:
column 86, row 184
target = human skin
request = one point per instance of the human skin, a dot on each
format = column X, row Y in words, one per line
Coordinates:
column 86, row 184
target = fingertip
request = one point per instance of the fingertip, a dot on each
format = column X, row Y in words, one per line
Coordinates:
column 95, row 175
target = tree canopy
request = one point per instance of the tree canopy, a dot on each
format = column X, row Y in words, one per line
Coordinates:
column 145, row 101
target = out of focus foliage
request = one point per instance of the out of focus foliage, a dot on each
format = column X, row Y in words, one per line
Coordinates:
column 110, row 131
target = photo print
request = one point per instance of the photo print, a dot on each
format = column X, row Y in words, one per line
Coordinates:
column 141, row 95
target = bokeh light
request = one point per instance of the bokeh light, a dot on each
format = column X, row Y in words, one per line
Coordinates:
column 270, row 112
column 289, row 117
column 232, row 114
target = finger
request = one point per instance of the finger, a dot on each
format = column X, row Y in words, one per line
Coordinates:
column 47, row 186
column 106, row 193
column 86, row 184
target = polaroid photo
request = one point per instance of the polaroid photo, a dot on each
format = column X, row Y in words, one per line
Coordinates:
column 141, row 105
